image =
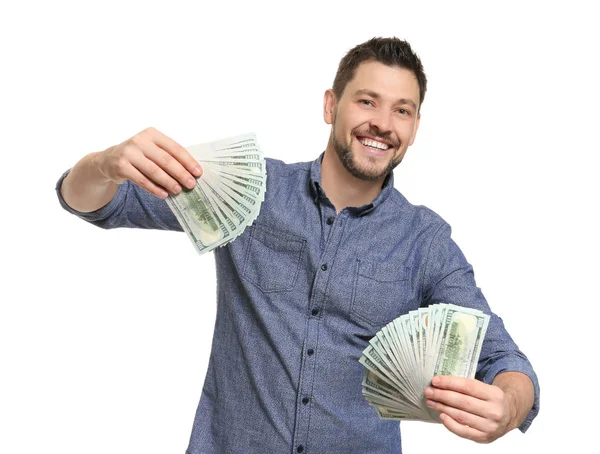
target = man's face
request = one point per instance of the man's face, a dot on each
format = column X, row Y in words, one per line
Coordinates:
column 375, row 120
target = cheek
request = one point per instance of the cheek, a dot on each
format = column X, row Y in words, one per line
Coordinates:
column 405, row 133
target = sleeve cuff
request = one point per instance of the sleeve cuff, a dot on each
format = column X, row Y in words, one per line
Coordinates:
column 101, row 213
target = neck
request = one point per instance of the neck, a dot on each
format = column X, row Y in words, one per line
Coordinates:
column 341, row 187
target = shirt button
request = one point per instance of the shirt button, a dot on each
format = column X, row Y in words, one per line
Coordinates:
column 300, row 448
column 315, row 312
column 310, row 352
column 329, row 221
column 305, row 400
column 324, row 266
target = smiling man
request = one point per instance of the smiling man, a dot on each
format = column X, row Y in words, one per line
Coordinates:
column 335, row 254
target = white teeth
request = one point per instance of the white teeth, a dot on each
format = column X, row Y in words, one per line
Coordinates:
column 374, row 144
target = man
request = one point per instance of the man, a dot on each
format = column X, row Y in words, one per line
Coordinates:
column 335, row 254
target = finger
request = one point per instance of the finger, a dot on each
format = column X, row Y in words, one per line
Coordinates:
column 137, row 177
column 461, row 430
column 468, row 386
column 457, row 400
column 177, row 151
column 169, row 164
column 460, row 416
column 154, row 173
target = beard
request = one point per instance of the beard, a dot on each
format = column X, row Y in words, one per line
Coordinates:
column 362, row 172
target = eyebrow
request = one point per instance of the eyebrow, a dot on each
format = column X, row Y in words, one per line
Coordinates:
column 376, row 95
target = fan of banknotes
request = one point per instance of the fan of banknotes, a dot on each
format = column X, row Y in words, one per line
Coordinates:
column 403, row 357
column 228, row 195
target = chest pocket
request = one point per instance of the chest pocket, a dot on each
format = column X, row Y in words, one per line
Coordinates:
column 272, row 259
column 380, row 292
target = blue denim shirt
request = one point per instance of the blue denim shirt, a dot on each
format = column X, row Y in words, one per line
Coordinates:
column 299, row 295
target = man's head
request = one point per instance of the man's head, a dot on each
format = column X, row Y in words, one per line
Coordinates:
column 377, row 94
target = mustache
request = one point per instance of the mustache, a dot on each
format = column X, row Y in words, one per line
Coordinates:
column 377, row 135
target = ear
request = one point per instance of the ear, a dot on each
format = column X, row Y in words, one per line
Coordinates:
column 415, row 128
column 328, row 106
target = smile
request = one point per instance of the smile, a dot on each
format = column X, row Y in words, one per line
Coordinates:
column 373, row 143
column 374, row 147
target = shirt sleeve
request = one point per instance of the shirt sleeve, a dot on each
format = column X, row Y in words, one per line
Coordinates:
column 131, row 207
column 449, row 278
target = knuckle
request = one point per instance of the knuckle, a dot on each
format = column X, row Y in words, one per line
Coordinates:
column 460, row 417
column 470, row 388
column 142, row 182
column 487, row 438
column 153, row 169
column 166, row 160
column 135, row 140
column 495, row 414
column 482, row 439
column 462, row 402
column 130, row 149
column 121, row 164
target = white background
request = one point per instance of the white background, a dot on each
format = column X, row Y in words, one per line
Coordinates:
column 105, row 335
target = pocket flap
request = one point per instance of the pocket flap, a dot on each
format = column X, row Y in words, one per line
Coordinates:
column 382, row 271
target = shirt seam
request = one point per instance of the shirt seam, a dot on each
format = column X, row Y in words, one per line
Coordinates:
column 428, row 259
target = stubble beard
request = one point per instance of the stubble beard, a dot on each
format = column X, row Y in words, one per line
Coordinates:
column 347, row 158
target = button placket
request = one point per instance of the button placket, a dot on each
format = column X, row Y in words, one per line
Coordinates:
column 308, row 368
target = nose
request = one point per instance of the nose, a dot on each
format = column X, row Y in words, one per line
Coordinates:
column 381, row 121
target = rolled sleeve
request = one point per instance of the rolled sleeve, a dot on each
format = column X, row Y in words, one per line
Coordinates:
column 130, row 207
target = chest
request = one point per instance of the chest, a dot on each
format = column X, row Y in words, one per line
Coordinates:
column 363, row 271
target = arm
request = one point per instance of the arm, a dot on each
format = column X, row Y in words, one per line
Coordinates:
column 85, row 189
column 149, row 159
column 505, row 381
column 130, row 178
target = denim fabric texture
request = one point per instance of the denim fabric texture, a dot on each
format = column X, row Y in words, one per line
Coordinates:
column 299, row 295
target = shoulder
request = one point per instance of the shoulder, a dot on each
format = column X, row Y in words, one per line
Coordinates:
column 419, row 217
column 281, row 174
column 276, row 167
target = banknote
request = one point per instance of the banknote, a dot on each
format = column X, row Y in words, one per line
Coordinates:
column 227, row 197
column 403, row 357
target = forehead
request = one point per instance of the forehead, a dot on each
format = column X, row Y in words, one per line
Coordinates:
column 389, row 82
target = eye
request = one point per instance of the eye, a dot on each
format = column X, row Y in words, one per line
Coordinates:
column 365, row 101
column 403, row 111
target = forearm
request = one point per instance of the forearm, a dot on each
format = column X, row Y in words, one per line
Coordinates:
column 85, row 188
column 519, row 392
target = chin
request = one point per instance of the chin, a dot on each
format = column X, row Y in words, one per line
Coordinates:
column 367, row 170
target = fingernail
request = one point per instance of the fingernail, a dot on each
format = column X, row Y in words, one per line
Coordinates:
column 430, row 403
column 177, row 189
column 191, row 183
column 428, row 392
column 197, row 171
column 435, row 380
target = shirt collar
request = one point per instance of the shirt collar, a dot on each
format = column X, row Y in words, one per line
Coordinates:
column 317, row 192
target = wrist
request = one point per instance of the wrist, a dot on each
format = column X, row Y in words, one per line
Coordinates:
column 513, row 409
column 97, row 165
column 519, row 393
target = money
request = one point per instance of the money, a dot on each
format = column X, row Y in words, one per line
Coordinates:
column 403, row 357
column 228, row 195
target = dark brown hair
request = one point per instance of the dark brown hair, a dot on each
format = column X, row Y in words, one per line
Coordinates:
column 389, row 51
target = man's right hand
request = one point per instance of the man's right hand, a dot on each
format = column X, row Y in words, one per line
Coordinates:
column 151, row 160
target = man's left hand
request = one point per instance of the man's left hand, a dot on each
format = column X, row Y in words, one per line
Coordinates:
column 470, row 408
